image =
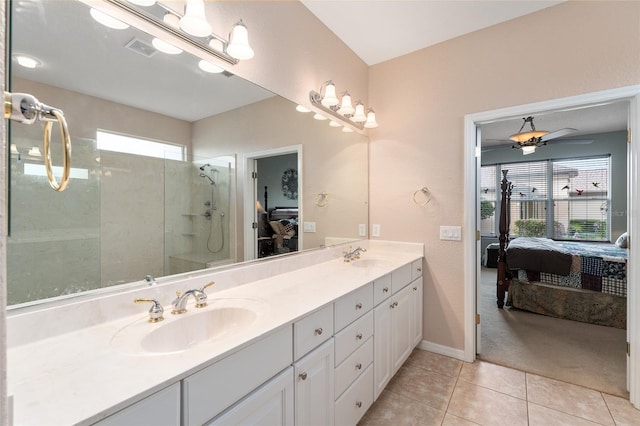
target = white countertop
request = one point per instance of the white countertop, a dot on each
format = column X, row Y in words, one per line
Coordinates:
column 79, row 377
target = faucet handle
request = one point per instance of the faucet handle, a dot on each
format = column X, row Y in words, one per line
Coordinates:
column 201, row 298
column 155, row 311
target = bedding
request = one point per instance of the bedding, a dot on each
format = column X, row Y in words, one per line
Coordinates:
column 538, row 254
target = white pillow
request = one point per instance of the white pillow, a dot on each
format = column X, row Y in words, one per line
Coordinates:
column 623, row 240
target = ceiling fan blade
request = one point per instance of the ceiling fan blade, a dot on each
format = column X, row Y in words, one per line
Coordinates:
column 572, row 141
column 558, row 134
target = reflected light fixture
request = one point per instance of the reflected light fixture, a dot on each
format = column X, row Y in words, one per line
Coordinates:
column 26, row 61
column 107, row 20
column 334, row 123
column 35, row 152
column 239, row 42
column 529, row 140
column 319, row 116
column 194, row 21
column 172, row 20
column 300, row 108
column 143, row 2
column 209, row 67
column 165, row 47
column 341, row 110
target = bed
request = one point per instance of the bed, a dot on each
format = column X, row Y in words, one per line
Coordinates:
column 580, row 281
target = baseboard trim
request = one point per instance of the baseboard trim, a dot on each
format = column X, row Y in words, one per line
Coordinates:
column 442, row 350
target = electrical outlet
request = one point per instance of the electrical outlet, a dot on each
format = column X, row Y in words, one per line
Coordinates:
column 309, row 227
column 375, row 231
column 362, row 230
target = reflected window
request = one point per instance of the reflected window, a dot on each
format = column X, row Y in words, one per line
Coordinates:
column 133, row 145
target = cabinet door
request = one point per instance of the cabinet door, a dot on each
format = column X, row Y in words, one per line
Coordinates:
column 416, row 311
column 270, row 405
column 382, row 346
column 401, row 327
column 314, row 387
column 162, row 408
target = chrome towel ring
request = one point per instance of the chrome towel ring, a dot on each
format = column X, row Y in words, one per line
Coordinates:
column 426, row 196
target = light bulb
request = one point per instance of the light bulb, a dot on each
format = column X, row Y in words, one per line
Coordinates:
column 194, row 21
column 209, row 67
column 346, row 108
column 371, row 120
column 239, row 42
column 526, row 150
column 107, row 20
column 165, row 47
column 359, row 116
column 330, row 99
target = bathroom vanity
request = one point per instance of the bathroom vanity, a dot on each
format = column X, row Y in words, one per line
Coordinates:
column 314, row 343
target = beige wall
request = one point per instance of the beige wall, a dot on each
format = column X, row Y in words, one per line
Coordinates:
column 574, row 48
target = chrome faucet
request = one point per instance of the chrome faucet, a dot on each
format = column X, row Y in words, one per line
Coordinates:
column 353, row 255
column 180, row 302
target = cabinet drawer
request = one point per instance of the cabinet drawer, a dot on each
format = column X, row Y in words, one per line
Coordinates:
column 161, row 408
column 400, row 277
column 353, row 366
column 349, row 339
column 211, row 390
column 312, row 330
column 353, row 305
column 356, row 400
column 416, row 269
column 381, row 289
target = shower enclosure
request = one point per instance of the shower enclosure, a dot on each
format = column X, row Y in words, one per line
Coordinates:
column 123, row 216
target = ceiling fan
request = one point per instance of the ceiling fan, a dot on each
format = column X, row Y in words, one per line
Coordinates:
column 529, row 140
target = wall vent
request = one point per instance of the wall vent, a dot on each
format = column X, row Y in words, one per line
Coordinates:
column 141, row 47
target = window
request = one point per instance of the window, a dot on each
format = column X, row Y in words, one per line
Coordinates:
column 134, row 145
column 488, row 199
column 560, row 199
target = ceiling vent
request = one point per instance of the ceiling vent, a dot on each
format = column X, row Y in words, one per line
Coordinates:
column 141, row 47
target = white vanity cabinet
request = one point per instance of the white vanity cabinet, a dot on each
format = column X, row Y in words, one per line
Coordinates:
column 397, row 324
column 161, row 408
column 314, row 389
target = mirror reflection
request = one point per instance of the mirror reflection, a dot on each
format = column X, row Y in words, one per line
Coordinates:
column 162, row 162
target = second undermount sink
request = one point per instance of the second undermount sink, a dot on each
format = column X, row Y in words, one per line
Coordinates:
column 178, row 333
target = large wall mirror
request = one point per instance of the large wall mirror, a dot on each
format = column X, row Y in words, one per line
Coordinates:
column 161, row 151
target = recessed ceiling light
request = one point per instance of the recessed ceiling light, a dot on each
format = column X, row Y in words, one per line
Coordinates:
column 26, row 61
column 106, row 20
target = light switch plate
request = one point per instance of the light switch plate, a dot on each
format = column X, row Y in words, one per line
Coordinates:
column 452, row 233
column 375, row 230
column 309, row 227
column 362, row 230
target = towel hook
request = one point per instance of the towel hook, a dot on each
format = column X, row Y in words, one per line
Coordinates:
column 427, row 196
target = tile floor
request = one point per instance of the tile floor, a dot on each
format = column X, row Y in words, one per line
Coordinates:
column 432, row 389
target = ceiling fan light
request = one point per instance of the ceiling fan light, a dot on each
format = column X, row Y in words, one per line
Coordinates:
column 525, row 136
column 528, row 149
column 194, row 21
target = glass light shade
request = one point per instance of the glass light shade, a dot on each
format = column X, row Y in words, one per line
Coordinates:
column 371, row 122
column 526, row 150
column 194, row 21
column 525, row 136
column 107, row 20
column 347, row 129
column 300, row 108
column 319, row 117
column 165, row 47
column 359, row 116
column 334, row 124
column 35, row 152
column 330, row 99
column 143, row 2
column 171, row 20
column 216, row 44
column 345, row 107
column 14, row 149
column 26, row 61
column 209, row 67
column 239, row 43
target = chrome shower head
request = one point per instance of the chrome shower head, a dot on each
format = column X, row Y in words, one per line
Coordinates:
column 204, row 166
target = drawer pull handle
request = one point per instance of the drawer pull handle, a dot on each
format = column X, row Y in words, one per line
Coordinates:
column 303, row 376
column 358, row 366
column 359, row 404
column 318, row 331
column 385, row 290
column 358, row 306
column 359, row 336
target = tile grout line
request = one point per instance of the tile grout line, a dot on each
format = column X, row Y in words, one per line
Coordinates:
column 608, row 409
column 455, row 385
column 526, row 395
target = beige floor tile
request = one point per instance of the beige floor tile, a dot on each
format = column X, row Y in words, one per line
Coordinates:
column 486, row 406
column 495, row 377
column 435, row 362
column 451, row 420
column 543, row 416
column 622, row 411
column 423, row 385
column 571, row 399
column 397, row 410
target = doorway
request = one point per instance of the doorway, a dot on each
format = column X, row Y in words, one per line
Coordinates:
column 631, row 95
column 272, row 202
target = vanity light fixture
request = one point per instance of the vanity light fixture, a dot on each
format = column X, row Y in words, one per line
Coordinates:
column 107, row 20
column 194, row 21
column 172, row 20
column 239, row 42
column 165, row 47
column 209, row 67
column 342, row 109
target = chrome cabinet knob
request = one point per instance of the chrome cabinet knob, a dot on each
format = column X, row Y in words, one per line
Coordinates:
column 359, row 336
column 385, row 290
column 318, row 331
column 303, row 376
column 358, row 366
column 358, row 306
column 359, row 404
column 415, row 289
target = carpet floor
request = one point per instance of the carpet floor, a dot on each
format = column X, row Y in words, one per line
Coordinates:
column 589, row 355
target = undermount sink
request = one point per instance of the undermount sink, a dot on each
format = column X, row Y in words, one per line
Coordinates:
column 177, row 333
